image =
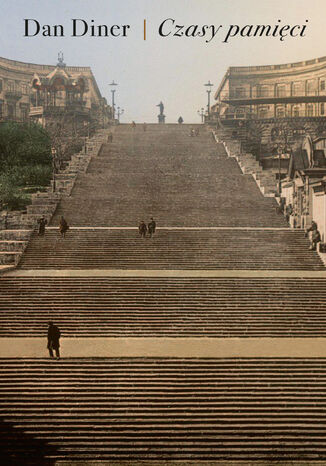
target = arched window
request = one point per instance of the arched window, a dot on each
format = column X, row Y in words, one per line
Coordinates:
column 280, row 112
column 263, row 112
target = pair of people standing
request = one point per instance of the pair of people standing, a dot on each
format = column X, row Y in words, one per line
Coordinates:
column 63, row 226
column 144, row 229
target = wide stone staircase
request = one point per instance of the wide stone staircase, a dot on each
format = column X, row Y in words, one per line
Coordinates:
column 164, row 408
column 172, row 249
column 165, row 173
column 223, row 270
column 163, row 307
column 16, row 227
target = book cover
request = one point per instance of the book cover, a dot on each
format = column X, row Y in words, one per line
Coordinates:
column 162, row 232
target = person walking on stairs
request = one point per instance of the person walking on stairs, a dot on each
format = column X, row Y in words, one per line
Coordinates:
column 151, row 227
column 53, row 340
column 63, row 227
column 315, row 239
column 41, row 225
column 142, row 228
column 133, row 125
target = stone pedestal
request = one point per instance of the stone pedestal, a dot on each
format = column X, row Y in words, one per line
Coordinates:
column 161, row 119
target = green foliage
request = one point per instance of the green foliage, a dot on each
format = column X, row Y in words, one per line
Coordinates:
column 29, row 175
column 24, row 144
column 11, row 196
column 25, row 160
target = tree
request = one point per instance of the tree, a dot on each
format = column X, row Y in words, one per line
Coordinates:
column 25, row 160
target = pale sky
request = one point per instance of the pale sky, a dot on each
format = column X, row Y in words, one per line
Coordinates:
column 171, row 69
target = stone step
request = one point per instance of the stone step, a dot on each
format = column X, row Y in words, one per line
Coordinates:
column 172, row 249
column 114, row 176
column 130, row 421
column 163, row 307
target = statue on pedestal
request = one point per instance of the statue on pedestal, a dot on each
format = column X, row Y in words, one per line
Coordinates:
column 161, row 116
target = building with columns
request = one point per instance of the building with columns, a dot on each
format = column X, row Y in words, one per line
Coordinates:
column 261, row 96
column 29, row 90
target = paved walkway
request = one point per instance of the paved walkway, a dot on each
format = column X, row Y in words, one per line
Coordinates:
column 168, row 347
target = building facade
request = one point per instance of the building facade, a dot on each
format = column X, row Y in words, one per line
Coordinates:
column 259, row 97
column 20, row 97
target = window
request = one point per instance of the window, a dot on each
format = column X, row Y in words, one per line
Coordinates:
column 295, row 111
column 263, row 112
column 240, row 112
column 11, row 111
column 0, row 85
column 24, row 113
column 263, row 91
column 11, row 86
column 310, row 110
column 322, row 85
column 240, row 92
column 296, row 88
column 311, row 89
column 322, row 109
column 25, row 88
column 280, row 112
column 281, row 90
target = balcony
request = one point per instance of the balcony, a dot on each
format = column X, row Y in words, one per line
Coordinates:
column 247, row 97
column 236, row 116
column 77, row 107
column 36, row 111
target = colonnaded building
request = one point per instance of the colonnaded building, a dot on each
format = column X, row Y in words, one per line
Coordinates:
column 29, row 90
column 260, row 100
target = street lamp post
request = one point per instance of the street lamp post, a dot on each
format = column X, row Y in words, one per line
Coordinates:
column 279, row 171
column 54, row 155
column 113, row 84
column 119, row 113
column 209, row 86
column 201, row 113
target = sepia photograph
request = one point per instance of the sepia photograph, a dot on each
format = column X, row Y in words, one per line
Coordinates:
column 163, row 233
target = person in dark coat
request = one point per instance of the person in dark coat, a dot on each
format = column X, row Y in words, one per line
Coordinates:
column 151, row 227
column 110, row 137
column 142, row 228
column 42, row 222
column 63, row 227
column 180, row 120
column 315, row 239
column 288, row 212
column 53, row 340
